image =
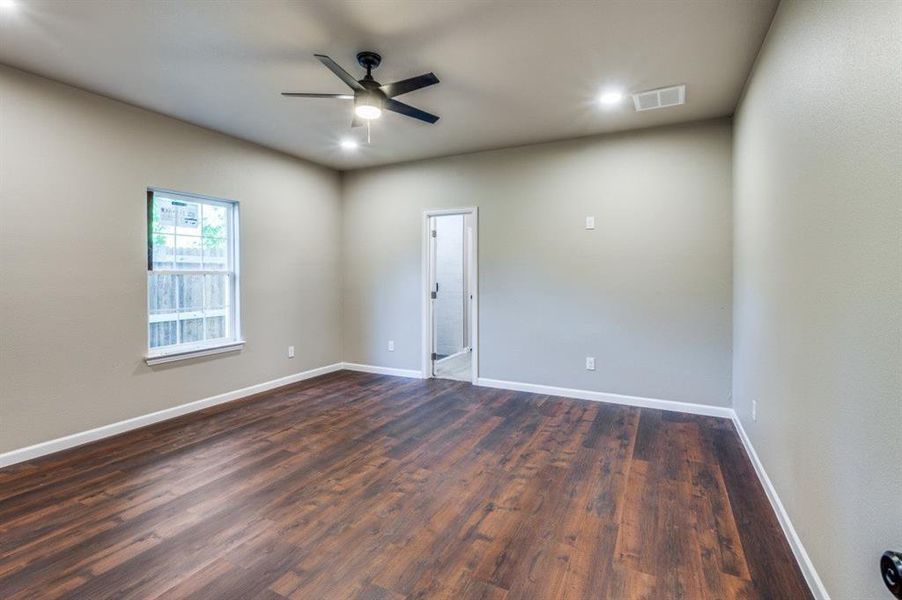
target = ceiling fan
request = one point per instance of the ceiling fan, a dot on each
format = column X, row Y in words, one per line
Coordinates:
column 370, row 97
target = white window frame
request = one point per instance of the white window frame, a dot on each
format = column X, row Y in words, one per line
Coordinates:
column 186, row 351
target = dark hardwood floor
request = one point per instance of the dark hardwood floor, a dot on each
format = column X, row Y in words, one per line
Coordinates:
column 364, row 486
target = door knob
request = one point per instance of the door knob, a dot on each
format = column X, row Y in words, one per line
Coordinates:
column 891, row 569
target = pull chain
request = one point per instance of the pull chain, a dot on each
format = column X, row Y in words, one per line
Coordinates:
column 367, row 132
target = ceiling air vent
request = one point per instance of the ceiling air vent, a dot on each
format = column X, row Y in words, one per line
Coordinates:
column 660, row 98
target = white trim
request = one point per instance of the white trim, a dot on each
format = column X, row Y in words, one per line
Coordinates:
column 189, row 271
column 440, row 212
column 426, row 320
column 452, row 356
column 183, row 353
column 425, row 305
column 412, row 373
column 684, row 407
column 798, row 549
column 473, row 288
column 196, row 314
column 98, row 433
column 190, row 196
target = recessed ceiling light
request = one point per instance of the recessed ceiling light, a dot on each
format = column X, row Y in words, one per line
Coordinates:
column 7, row 4
column 349, row 144
column 611, row 97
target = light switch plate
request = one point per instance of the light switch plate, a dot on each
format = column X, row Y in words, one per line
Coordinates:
column 391, row 345
column 590, row 222
column 290, row 351
column 590, row 363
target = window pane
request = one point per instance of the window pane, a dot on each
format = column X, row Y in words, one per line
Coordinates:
column 163, row 250
column 162, row 293
column 187, row 220
column 162, row 216
column 162, row 333
column 215, row 220
column 188, row 253
column 215, row 254
column 192, row 330
column 216, row 327
column 217, row 291
column 191, row 293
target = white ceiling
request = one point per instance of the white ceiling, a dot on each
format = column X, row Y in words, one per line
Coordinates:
column 511, row 73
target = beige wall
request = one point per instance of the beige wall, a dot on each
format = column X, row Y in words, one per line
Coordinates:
column 818, row 279
column 74, row 168
column 647, row 293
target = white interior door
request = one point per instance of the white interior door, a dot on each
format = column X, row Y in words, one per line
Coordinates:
column 450, row 299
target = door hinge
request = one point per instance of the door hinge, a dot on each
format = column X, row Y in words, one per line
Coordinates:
column 434, row 356
column 434, row 295
column 434, row 233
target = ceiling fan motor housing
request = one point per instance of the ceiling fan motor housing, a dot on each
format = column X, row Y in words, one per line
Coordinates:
column 368, row 60
column 369, row 103
column 370, row 95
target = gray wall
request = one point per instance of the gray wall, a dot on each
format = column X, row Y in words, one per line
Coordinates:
column 74, row 168
column 647, row 293
column 449, row 274
column 818, row 279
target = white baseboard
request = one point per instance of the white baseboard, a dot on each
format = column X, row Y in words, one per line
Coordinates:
column 412, row 373
column 802, row 558
column 91, row 435
column 685, row 407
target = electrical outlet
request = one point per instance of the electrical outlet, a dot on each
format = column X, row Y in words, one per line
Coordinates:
column 290, row 351
column 391, row 345
column 590, row 363
column 754, row 410
column 590, row 222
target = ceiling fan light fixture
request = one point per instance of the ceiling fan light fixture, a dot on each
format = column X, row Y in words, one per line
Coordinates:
column 368, row 106
column 368, row 111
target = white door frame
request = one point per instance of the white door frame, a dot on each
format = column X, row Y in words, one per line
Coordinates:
column 426, row 309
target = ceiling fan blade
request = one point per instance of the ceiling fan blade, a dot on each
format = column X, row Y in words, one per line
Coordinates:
column 339, row 72
column 304, row 95
column 409, row 111
column 408, row 85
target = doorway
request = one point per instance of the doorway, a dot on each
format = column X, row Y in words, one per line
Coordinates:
column 450, row 324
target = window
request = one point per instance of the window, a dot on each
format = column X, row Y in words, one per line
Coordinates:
column 192, row 276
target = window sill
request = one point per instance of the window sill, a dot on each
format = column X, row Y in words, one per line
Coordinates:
column 185, row 354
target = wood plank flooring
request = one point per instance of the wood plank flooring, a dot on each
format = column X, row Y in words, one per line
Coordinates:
column 364, row 486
